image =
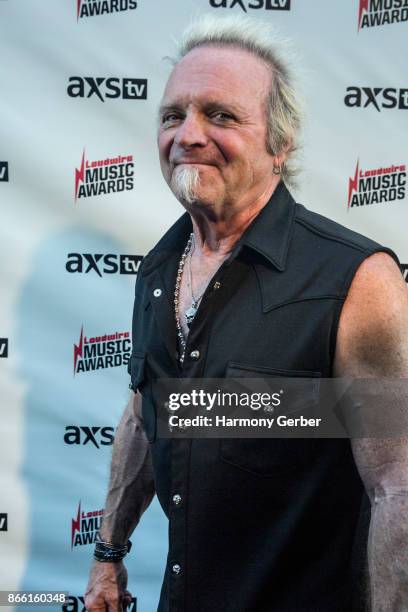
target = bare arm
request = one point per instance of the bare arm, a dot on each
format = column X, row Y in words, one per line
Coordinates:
column 372, row 342
column 131, row 489
column 131, row 486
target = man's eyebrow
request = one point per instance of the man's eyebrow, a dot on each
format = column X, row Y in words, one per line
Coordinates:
column 225, row 106
column 206, row 106
column 164, row 108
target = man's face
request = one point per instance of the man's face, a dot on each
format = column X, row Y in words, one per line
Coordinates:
column 213, row 118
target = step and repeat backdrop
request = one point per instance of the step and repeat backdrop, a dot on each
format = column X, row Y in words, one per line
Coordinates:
column 82, row 200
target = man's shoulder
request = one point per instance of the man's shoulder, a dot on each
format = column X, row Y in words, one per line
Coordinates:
column 332, row 252
column 313, row 224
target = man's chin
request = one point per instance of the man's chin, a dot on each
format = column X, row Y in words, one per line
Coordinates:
column 200, row 205
column 192, row 199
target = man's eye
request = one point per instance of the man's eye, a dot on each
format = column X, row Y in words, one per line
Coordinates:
column 222, row 116
column 170, row 118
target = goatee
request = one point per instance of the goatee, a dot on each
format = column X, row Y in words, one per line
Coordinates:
column 185, row 183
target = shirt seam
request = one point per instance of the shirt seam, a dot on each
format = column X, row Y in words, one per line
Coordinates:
column 333, row 237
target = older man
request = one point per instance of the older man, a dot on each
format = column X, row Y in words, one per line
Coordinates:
column 248, row 283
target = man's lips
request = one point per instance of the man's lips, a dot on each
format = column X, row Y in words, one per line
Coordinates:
column 192, row 162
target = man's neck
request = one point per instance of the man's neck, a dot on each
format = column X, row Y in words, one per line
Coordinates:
column 217, row 235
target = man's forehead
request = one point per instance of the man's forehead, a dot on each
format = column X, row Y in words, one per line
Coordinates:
column 213, row 70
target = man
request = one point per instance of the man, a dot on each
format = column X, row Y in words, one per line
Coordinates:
column 247, row 283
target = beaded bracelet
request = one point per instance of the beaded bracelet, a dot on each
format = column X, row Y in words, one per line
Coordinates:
column 110, row 553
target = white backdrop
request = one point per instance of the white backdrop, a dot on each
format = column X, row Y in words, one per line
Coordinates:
column 68, row 262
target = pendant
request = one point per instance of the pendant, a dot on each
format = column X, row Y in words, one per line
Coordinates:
column 190, row 314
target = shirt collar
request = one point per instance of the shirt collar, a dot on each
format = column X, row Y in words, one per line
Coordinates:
column 269, row 234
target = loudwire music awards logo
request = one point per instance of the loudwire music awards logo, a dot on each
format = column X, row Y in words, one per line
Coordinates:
column 268, row 5
column 107, row 87
column 92, row 8
column 83, row 263
column 378, row 185
column 373, row 13
column 85, row 527
column 106, row 351
column 102, row 176
column 76, row 603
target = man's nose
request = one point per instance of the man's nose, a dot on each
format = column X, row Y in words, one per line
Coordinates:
column 191, row 132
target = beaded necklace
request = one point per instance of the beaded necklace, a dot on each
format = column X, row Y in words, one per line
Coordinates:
column 177, row 294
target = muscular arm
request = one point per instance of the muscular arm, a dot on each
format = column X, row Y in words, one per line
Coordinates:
column 131, row 486
column 372, row 342
column 131, row 489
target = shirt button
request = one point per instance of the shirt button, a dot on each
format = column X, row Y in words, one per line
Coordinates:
column 177, row 499
column 176, row 569
column 157, row 292
column 195, row 355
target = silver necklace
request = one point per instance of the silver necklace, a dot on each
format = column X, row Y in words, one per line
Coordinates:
column 192, row 311
column 176, row 296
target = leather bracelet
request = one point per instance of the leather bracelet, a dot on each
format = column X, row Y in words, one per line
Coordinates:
column 110, row 553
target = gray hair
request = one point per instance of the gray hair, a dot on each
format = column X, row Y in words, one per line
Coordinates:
column 284, row 106
column 184, row 183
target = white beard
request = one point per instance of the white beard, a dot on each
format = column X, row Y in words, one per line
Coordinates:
column 185, row 183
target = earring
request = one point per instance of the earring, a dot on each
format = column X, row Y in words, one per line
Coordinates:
column 277, row 169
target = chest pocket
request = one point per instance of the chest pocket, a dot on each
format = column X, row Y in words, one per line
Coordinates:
column 140, row 383
column 271, row 456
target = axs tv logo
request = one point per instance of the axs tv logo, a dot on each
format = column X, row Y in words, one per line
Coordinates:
column 111, row 88
column 3, row 521
column 83, row 263
column 4, row 171
column 3, row 347
column 83, row 435
column 378, row 97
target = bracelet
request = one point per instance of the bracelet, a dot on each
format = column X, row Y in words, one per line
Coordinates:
column 110, row 553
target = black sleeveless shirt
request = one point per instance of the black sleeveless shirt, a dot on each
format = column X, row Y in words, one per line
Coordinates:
column 256, row 525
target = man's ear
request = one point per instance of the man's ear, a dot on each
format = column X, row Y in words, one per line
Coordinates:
column 280, row 158
column 279, row 162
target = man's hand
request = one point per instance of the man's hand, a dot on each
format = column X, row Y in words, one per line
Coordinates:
column 106, row 590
